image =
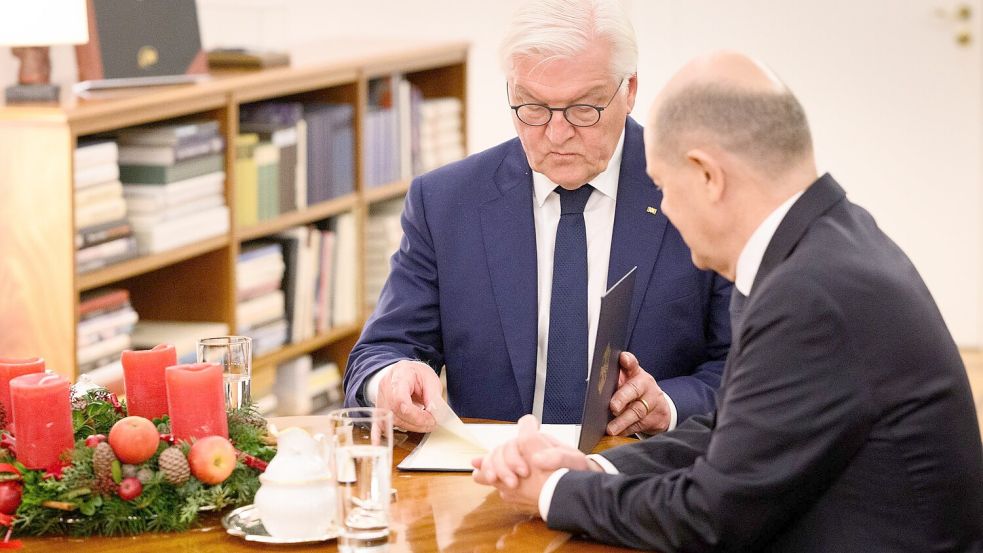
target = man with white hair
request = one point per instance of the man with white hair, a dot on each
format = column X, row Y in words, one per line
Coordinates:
column 845, row 419
column 506, row 254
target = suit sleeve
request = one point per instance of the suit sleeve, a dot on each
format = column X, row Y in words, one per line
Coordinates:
column 793, row 413
column 667, row 451
column 406, row 320
column 696, row 393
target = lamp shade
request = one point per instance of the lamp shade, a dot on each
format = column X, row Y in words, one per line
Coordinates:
column 43, row 22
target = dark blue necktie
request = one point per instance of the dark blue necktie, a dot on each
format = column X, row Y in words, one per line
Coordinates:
column 566, row 355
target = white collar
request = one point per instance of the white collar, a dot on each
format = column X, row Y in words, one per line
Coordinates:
column 605, row 183
column 750, row 258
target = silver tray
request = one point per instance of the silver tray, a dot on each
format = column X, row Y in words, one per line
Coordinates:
column 244, row 523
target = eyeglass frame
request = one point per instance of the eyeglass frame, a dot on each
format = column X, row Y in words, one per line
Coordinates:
column 598, row 109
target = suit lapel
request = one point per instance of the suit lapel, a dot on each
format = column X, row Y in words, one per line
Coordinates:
column 816, row 200
column 509, row 234
column 638, row 234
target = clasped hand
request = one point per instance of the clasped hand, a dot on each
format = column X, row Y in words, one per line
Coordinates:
column 520, row 467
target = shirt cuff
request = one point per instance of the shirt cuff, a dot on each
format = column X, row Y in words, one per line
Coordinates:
column 546, row 494
column 372, row 386
column 605, row 465
column 673, row 415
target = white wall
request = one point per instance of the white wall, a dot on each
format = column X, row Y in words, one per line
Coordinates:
column 827, row 51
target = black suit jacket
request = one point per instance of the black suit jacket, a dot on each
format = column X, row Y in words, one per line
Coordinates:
column 844, row 421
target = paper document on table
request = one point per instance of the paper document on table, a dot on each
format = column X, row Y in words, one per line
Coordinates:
column 443, row 450
column 449, row 422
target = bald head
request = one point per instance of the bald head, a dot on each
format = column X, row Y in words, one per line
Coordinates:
column 733, row 102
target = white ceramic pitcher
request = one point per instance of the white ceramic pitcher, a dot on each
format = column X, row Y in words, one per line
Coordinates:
column 296, row 497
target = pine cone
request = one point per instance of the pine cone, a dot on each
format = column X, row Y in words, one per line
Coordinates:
column 174, row 465
column 102, row 466
column 144, row 475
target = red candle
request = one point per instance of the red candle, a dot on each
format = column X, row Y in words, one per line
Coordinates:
column 43, row 414
column 196, row 401
column 143, row 380
column 11, row 368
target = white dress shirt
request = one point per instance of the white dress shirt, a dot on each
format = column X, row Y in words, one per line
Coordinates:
column 747, row 268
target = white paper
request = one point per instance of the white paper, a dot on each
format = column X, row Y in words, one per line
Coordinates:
column 444, row 450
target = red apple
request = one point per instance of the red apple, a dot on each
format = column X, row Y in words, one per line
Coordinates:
column 94, row 440
column 134, row 440
column 10, row 494
column 212, row 459
column 130, row 488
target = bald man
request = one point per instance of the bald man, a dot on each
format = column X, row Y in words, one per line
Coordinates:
column 844, row 420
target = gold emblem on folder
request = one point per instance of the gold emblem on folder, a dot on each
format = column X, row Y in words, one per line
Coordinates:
column 651, row 210
column 605, row 361
column 147, row 56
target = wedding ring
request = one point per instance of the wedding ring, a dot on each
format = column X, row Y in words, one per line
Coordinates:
column 646, row 404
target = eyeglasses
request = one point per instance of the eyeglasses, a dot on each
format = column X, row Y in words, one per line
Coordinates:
column 578, row 115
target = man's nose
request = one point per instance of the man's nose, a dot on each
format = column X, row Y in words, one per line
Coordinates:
column 559, row 130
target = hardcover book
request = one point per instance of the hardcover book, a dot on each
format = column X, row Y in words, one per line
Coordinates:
column 149, row 42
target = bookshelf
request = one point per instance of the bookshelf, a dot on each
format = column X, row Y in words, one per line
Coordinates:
column 39, row 286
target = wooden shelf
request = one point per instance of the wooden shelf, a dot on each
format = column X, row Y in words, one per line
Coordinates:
column 386, row 192
column 310, row 214
column 306, row 346
column 39, row 301
column 145, row 264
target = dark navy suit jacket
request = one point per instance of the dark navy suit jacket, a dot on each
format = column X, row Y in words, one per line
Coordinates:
column 462, row 291
column 846, row 422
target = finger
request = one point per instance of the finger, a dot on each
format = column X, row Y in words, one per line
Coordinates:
column 514, row 461
column 629, row 363
column 634, row 413
column 502, row 470
column 476, row 462
column 414, row 418
column 555, row 458
column 429, row 383
column 629, row 392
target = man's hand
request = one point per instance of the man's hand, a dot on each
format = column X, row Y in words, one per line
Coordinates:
column 407, row 388
column 520, row 467
column 639, row 404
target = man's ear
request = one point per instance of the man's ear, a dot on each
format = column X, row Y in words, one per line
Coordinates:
column 714, row 177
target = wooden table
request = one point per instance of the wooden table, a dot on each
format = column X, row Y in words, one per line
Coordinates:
column 434, row 512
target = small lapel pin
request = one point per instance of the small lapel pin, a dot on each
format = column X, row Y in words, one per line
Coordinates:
column 651, row 210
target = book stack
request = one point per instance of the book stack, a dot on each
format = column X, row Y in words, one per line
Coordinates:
column 320, row 280
column 441, row 136
column 382, row 133
column 106, row 320
column 103, row 235
column 280, row 124
column 382, row 235
column 344, row 301
column 392, row 131
column 246, row 180
column 261, row 310
column 330, row 151
column 303, row 387
column 183, row 335
column 173, row 181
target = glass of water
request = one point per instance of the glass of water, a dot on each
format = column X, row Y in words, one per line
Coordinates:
column 363, row 450
column 235, row 355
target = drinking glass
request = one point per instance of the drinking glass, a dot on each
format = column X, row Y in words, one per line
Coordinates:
column 363, row 449
column 234, row 354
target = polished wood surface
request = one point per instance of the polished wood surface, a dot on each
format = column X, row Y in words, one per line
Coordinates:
column 433, row 512
column 974, row 368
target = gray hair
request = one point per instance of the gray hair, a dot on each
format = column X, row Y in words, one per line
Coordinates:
column 768, row 129
column 563, row 28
